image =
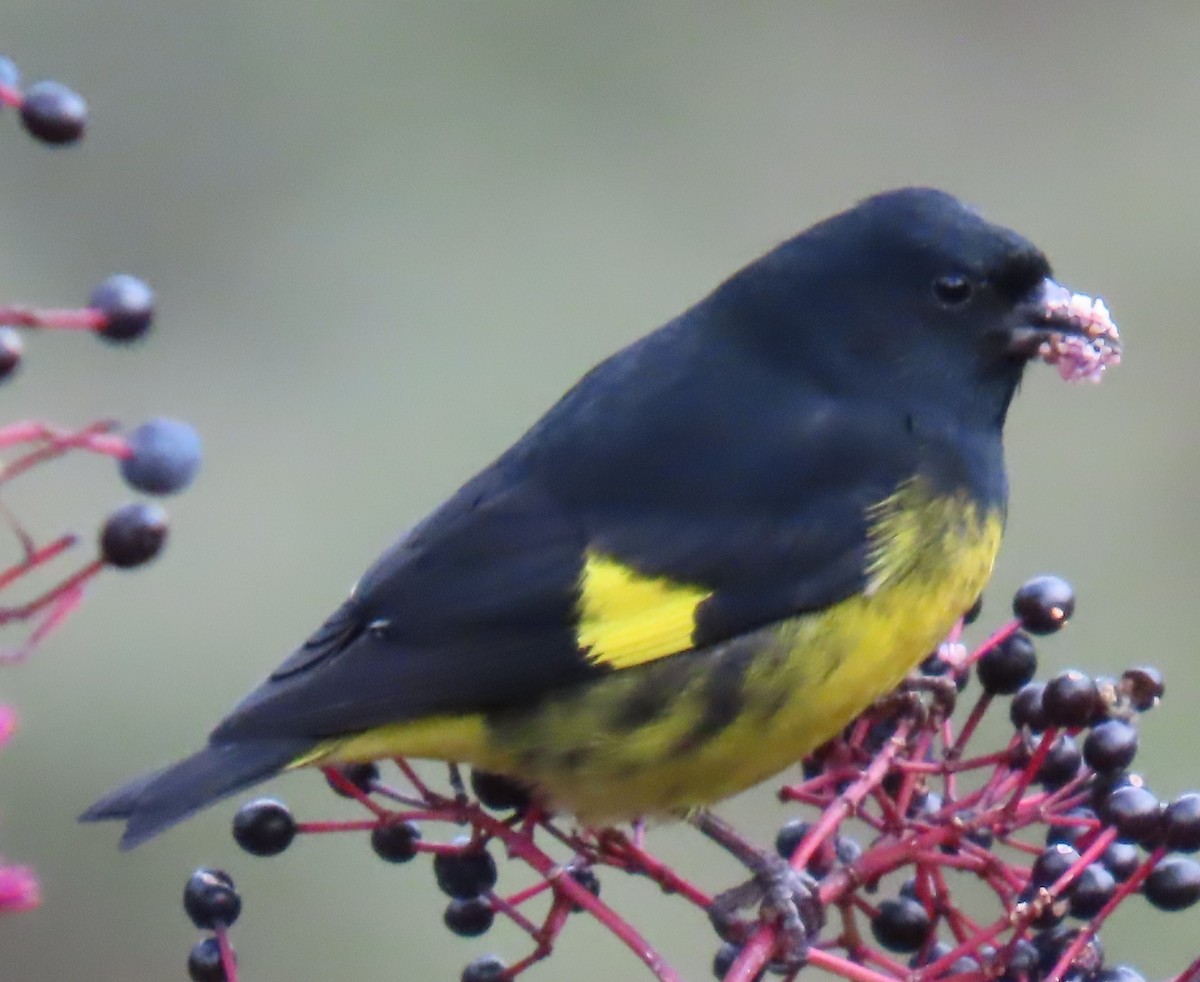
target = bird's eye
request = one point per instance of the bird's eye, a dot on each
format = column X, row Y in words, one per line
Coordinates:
column 953, row 289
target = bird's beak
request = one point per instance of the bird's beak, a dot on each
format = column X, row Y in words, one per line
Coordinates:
column 1068, row 330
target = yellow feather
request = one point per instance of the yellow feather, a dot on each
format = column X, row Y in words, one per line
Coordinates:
column 628, row 619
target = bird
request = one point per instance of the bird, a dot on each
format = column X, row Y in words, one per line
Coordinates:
column 721, row 544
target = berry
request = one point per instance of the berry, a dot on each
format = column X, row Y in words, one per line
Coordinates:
column 210, row 899
column 1110, row 746
column 485, row 968
column 1144, row 685
column 1051, row 864
column 204, row 961
column 127, row 304
column 1173, row 884
column 464, row 874
column 1020, row 960
column 973, row 612
column 10, row 77
column 165, row 457
column 1061, row 763
column 586, row 877
column 789, row 837
column 1071, row 832
column 1135, row 813
column 132, row 535
column 1181, row 823
column 264, row 827
column 395, row 842
column 11, row 349
column 725, row 957
column 469, row 917
column 901, row 925
column 499, row 791
column 1091, row 891
column 1121, row 859
column 1051, row 944
column 939, row 949
column 847, row 849
column 1044, row 604
column 53, row 113
column 362, row 776
column 1070, row 699
column 1118, row 973
column 1009, row 665
column 1026, row 708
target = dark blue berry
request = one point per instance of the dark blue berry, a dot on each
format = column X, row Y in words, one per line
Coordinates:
column 204, row 962
column 53, row 113
column 1061, row 763
column 901, row 925
column 485, row 968
column 1134, row 812
column 973, row 612
column 929, row 955
column 1181, row 823
column 264, row 827
column 133, row 535
column 1121, row 859
column 1026, row 709
column 1052, row 863
column 1091, row 890
column 465, row 874
column 395, row 842
column 1110, row 746
column 586, row 877
column 1044, row 604
column 1070, row 699
column 499, row 791
column 210, row 899
column 11, row 349
column 789, row 837
column 165, row 456
column 361, row 776
column 128, row 307
column 1009, row 665
column 469, row 917
column 1174, row 884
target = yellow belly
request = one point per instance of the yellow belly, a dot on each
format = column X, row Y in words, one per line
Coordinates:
column 700, row 726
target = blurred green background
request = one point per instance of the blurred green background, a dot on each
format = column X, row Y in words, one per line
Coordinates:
column 386, row 235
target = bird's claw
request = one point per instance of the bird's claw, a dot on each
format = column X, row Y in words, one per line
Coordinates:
column 786, row 898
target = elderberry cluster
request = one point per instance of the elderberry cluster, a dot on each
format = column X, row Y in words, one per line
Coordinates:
column 212, row 902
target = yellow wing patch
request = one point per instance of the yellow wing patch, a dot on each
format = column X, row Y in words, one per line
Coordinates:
column 627, row 618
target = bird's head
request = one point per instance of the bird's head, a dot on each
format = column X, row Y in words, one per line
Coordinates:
column 913, row 291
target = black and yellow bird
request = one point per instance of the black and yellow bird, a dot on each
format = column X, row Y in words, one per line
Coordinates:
column 717, row 548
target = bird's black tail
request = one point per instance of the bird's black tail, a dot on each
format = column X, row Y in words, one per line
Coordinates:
column 159, row 800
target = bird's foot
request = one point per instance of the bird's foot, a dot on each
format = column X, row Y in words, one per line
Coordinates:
column 785, row 897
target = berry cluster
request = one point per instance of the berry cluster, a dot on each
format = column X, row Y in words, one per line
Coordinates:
column 159, row 457
column 903, row 811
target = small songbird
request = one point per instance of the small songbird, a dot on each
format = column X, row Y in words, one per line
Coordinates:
column 716, row 549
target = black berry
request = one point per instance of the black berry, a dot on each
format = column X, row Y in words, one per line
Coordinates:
column 128, row 307
column 165, row 456
column 11, row 349
column 1070, row 699
column 1134, row 812
column 362, row 776
column 264, row 827
column 1044, row 604
column 499, row 791
column 973, row 612
column 469, row 917
column 1173, row 884
column 395, row 842
column 1110, row 746
column 53, row 113
column 789, row 837
column 1026, row 708
column 133, row 534
column 586, row 877
column 901, row 925
column 1052, row 863
column 1181, row 823
column 1061, row 763
column 465, row 874
column 1008, row 666
column 204, row 962
column 210, row 899
column 485, row 968
column 725, row 957
column 1121, row 859
column 1091, row 891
